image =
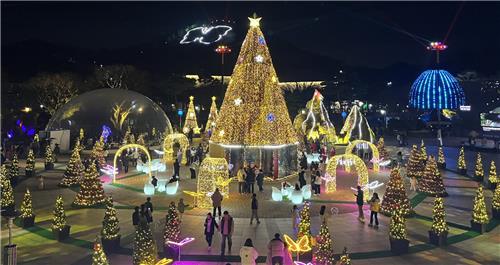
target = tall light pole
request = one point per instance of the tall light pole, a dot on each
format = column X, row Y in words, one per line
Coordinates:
column 222, row 50
column 438, row 46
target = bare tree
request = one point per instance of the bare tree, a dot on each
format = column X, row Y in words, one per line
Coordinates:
column 113, row 76
column 53, row 90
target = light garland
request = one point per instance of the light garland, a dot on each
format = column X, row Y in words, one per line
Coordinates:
column 255, row 84
column 127, row 146
column 376, row 155
column 359, row 165
column 213, row 173
column 199, row 34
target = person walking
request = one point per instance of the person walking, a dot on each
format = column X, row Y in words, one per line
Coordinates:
column 181, row 207
column 260, row 180
column 179, row 155
column 217, row 202
column 276, row 249
column 317, row 183
column 210, row 225
column 226, row 230
column 149, row 209
column 255, row 207
column 359, row 202
column 248, row 254
column 374, row 209
column 323, row 217
column 241, row 175
column 250, row 180
column 154, row 181
column 136, row 216
column 177, row 167
column 413, row 183
column 295, row 219
column 302, row 179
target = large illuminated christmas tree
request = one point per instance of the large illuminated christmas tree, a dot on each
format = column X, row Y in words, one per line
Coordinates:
column 74, row 170
column 323, row 252
column 191, row 123
column 356, row 127
column 145, row 252
column 212, row 116
column 91, row 192
column 415, row 167
column 479, row 171
column 316, row 122
column 305, row 222
column 395, row 195
column 172, row 225
column 98, row 152
column 254, row 112
column 432, row 182
column 461, row 165
column 381, row 149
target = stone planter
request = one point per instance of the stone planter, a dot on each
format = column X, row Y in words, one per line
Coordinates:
column 111, row 245
column 29, row 173
column 495, row 213
column 462, row 171
column 478, row 178
column 442, row 165
column 477, row 227
column 438, row 240
column 28, row 221
column 61, row 235
column 399, row 246
column 49, row 166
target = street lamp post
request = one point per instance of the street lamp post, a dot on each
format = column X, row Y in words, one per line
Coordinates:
column 222, row 50
column 438, row 46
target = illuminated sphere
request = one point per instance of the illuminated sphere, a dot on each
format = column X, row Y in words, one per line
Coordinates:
column 436, row 89
column 95, row 108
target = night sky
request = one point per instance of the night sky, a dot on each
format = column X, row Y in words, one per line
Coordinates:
column 358, row 33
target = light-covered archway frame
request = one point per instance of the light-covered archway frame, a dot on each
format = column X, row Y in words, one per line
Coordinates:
column 168, row 146
column 359, row 165
column 127, row 146
column 376, row 155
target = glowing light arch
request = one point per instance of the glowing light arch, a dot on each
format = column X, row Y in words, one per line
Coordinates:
column 376, row 155
column 127, row 146
column 168, row 146
column 359, row 165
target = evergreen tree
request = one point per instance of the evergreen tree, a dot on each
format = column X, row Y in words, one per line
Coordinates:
column 432, row 182
column 397, row 227
column 461, row 165
column 110, row 229
column 323, row 253
column 479, row 214
column 91, row 192
column 414, row 168
column 172, row 225
column 492, row 176
column 305, row 222
column 439, row 225
column 98, row 152
column 479, row 172
column 495, row 203
column 30, row 161
column 49, row 155
column 14, row 168
column 251, row 115
column 82, row 134
column 144, row 246
column 74, row 170
column 99, row 257
column 6, row 188
column 212, row 116
column 395, row 195
column 191, row 123
column 344, row 258
column 423, row 151
column 381, row 149
column 27, row 205
column 441, row 161
column 59, row 219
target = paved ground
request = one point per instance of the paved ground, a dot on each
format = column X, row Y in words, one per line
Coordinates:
column 368, row 246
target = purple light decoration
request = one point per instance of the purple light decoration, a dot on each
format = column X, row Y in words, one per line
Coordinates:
column 10, row 134
column 182, row 242
column 31, row 132
column 23, row 128
column 106, row 132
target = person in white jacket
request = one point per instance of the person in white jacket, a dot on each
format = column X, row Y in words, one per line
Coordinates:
column 248, row 254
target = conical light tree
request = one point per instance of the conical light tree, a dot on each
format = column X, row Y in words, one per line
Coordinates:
column 59, row 219
column 98, row 152
column 316, row 123
column 344, row 258
column 423, row 151
column 254, row 109
column 323, row 252
column 82, row 134
column 356, row 126
column 27, row 205
column 99, row 257
column 305, row 222
column 172, row 230
column 397, row 227
column 461, row 165
column 479, row 213
column 110, row 228
column 212, row 116
column 414, row 167
column 74, row 170
column 49, row 155
column 479, row 171
column 439, row 225
column 144, row 246
column 14, row 168
column 495, row 203
column 7, row 194
column 381, row 149
column 191, row 123
column 30, row 162
column 492, row 175
column 91, row 192
column 441, row 161
column 432, row 182
column 395, row 195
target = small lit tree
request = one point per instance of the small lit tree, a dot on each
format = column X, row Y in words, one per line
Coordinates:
column 172, row 225
column 212, row 115
column 397, row 232
column 479, row 171
column 82, row 134
column 14, row 169
column 59, row 225
column 323, row 252
column 395, row 195
column 191, row 122
column 414, row 168
column 99, row 257
column 423, row 152
column 441, row 161
column 27, row 206
column 495, row 203
column 98, row 152
column 91, row 192
column 144, row 246
column 439, row 229
column 381, row 149
column 110, row 228
column 492, row 175
column 479, row 213
column 461, row 165
column 49, row 158
column 6, row 192
column 30, row 163
column 432, row 182
column 305, row 222
column 344, row 258
column 74, row 170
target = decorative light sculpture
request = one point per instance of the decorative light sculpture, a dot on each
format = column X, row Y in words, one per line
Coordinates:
column 121, row 149
column 168, row 146
column 376, row 156
column 213, row 173
column 359, row 165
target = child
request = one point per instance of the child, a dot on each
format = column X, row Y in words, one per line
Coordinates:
column 181, row 207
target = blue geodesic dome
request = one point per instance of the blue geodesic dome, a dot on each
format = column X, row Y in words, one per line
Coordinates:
column 436, row 89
